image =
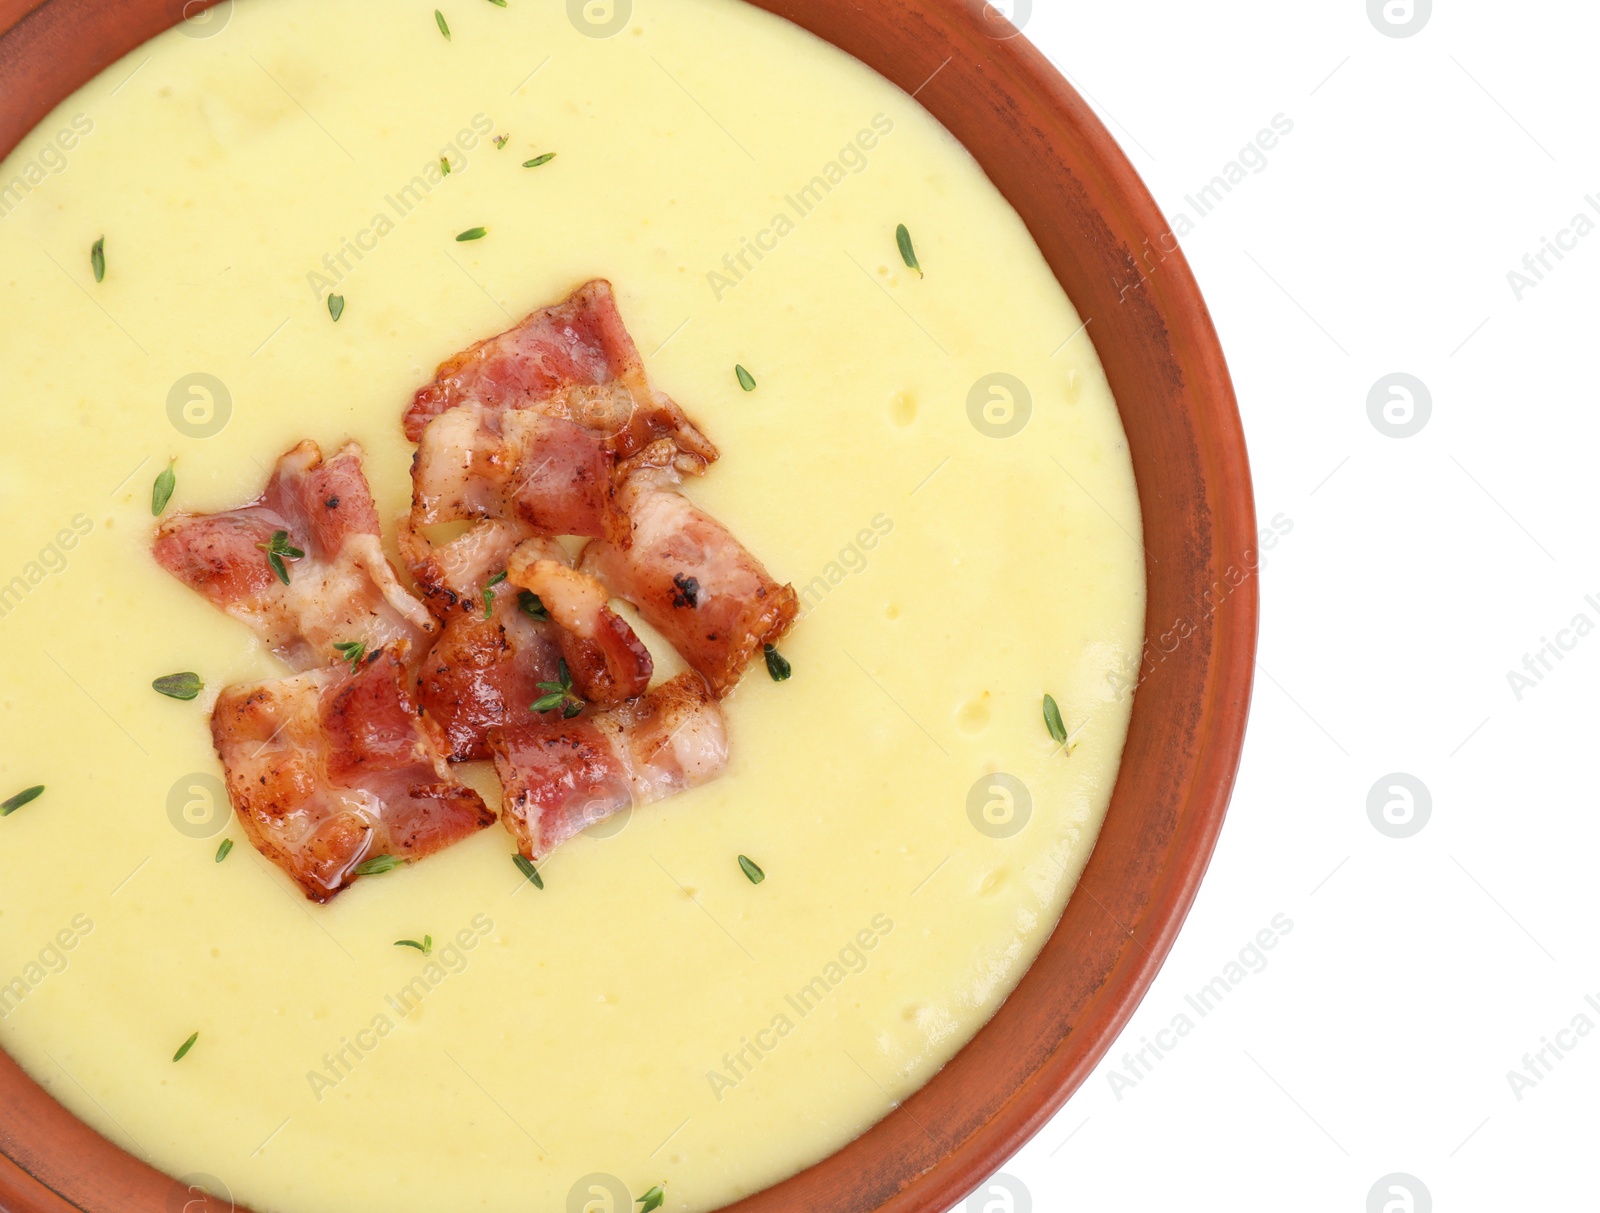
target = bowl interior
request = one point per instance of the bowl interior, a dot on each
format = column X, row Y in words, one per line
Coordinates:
column 1106, row 241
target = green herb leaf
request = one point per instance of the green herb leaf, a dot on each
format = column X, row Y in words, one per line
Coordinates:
column 425, row 947
column 525, row 866
column 539, row 160
column 653, row 1199
column 336, row 307
column 161, row 491
column 26, row 796
column 278, row 549
column 183, row 1049
column 500, row 141
column 472, row 233
column 560, row 695
column 1053, row 721
column 444, row 26
column 746, row 380
column 353, row 651
column 532, row 606
column 488, row 594
column 222, row 851
column 179, row 686
column 907, row 253
column 751, row 870
column 97, row 259
column 444, row 165
column 777, row 665
column 498, row 3
column 379, row 865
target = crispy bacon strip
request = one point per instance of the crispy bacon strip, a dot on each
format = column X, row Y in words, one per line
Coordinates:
column 342, row 591
column 560, row 777
column 607, row 660
column 576, row 361
column 331, row 768
column 551, row 473
column 486, row 666
column 692, row 580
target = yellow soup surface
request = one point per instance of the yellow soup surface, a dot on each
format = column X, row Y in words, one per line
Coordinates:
column 933, row 459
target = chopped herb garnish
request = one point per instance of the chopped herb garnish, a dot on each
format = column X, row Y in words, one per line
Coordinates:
column 97, row 259
column 179, row 686
column 488, row 594
column 498, row 3
column 500, row 141
column 472, row 233
column 907, row 253
column 379, row 865
column 778, row 665
column 1053, row 721
column 278, row 549
column 353, row 651
column 444, row 165
column 560, row 695
column 525, row 866
column 531, row 605
column 425, row 947
column 336, row 307
column 653, row 1199
column 161, row 491
column 27, row 796
column 183, row 1049
column 751, row 870
column 539, row 160
column 222, row 851
column 746, row 380
column 444, row 26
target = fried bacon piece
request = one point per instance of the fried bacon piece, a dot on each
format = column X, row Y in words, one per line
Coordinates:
column 562, row 776
column 574, row 361
column 551, row 473
column 330, row 769
column 692, row 580
column 495, row 650
column 607, row 660
column 342, row 590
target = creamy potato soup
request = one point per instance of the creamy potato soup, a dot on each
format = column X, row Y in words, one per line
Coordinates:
column 932, row 459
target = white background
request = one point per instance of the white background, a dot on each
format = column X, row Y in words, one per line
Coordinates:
column 1420, row 571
